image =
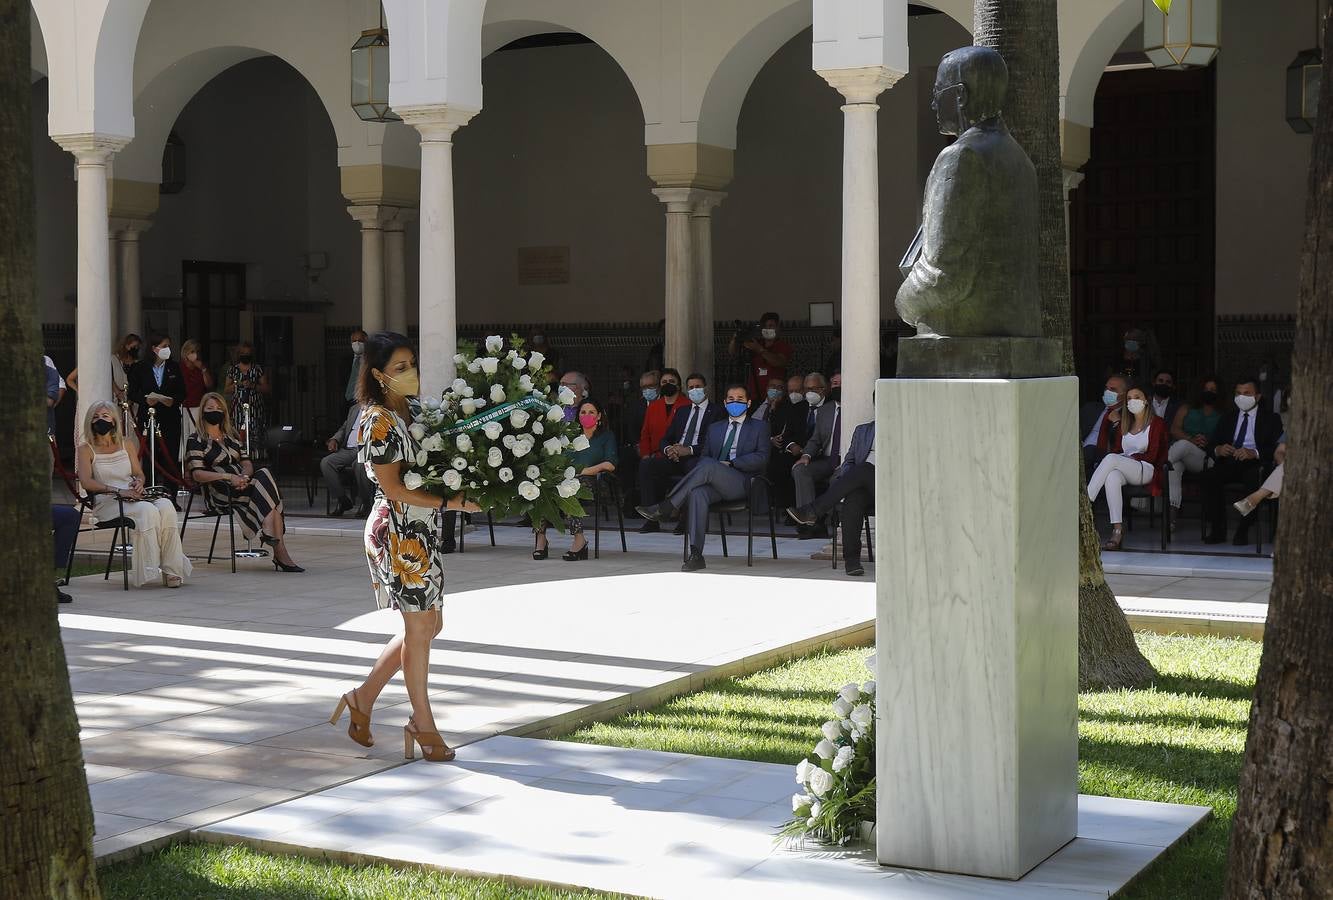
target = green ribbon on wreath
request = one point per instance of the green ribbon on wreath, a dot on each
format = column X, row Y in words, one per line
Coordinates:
column 482, row 419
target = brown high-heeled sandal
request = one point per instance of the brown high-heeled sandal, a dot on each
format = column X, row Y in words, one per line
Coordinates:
column 358, row 729
column 1113, row 543
column 433, row 747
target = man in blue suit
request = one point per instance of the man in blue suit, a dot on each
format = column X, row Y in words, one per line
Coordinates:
column 853, row 485
column 731, row 451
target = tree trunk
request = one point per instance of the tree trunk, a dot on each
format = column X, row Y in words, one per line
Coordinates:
column 1025, row 33
column 46, row 822
column 1282, row 837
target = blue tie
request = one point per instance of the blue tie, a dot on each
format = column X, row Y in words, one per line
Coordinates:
column 731, row 437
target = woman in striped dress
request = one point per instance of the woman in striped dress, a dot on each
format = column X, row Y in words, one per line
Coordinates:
column 214, row 456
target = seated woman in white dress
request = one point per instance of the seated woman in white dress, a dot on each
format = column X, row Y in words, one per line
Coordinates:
column 110, row 471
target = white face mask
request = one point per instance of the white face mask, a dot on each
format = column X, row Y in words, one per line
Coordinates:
column 1135, row 405
column 796, row 396
column 1245, row 403
column 164, row 353
column 814, row 398
column 768, row 333
column 358, row 347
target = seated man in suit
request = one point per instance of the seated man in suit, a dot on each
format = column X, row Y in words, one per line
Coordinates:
column 688, row 425
column 342, row 456
column 1242, row 447
column 819, row 453
column 731, row 451
column 853, row 485
column 1095, row 417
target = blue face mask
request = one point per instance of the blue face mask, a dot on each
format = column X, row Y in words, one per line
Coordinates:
column 696, row 395
column 650, row 394
column 774, row 393
column 1110, row 397
column 737, row 408
column 1132, row 346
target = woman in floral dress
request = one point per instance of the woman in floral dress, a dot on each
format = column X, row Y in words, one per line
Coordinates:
column 403, row 545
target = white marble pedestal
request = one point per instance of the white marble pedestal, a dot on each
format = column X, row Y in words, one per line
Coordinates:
column 977, row 623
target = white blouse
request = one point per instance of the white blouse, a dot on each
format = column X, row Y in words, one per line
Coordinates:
column 1134, row 443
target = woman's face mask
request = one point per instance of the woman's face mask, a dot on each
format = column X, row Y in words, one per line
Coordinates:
column 588, row 420
column 1136, row 405
column 214, row 416
column 407, row 384
column 103, row 427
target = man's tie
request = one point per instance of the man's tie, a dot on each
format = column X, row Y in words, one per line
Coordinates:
column 837, row 437
column 731, row 437
column 689, row 426
column 810, row 421
column 1239, row 440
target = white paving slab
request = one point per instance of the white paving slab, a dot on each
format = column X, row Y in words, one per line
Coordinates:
column 660, row 824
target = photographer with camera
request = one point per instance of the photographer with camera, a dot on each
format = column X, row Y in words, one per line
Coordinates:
column 763, row 355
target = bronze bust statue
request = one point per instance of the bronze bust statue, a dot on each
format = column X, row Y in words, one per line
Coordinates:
column 974, row 274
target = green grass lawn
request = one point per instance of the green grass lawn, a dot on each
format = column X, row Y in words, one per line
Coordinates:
column 214, row 872
column 1179, row 742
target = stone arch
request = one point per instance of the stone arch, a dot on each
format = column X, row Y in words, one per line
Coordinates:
column 1085, row 48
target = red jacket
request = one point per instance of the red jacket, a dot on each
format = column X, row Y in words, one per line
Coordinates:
column 656, row 420
column 1155, row 454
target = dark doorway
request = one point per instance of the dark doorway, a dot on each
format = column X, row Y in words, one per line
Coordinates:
column 211, row 304
column 1142, row 224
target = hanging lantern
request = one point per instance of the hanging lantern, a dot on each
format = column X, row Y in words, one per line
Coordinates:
column 370, row 75
column 1185, row 38
column 1303, row 90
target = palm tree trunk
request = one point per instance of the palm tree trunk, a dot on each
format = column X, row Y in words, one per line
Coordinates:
column 1025, row 33
column 46, row 822
column 1282, row 837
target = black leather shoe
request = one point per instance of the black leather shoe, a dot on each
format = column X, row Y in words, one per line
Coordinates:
column 62, row 597
column 819, row 531
column 1215, row 537
column 854, row 569
column 694, row 563
column 801, row 515
column 657, row 512
column 649, row 527
column 679, row 529
column 343, row 506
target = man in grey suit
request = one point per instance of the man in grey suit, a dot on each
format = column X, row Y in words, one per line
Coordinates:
column 853, row 485
column 819, row 455
column 731, row 450
column 342, row 455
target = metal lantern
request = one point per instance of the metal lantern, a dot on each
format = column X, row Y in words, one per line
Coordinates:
column 370, row 76
column 1303, row 90
column 1185, row 38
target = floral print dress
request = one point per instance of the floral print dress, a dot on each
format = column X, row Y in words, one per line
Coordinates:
column 403, row 543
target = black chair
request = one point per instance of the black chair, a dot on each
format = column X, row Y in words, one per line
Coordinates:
column 210, row 512
column 606, row 489
column 463, row 519
column 1248, row 488
column 286, row 448
column 1134, row 491
column 869, row 544
column 121, row 527
column 757, row 491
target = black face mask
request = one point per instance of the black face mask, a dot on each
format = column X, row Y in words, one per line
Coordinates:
column 1209, row 397
column 669, row 389
column 214, row 417
column 103, row 427
column 835, row 395
column 245, row 358
column 1162, row 390
column 132, row 352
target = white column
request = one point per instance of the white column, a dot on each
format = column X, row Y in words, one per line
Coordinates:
column 438, row 289
column 371, row 220
column 701, row 226
column 682, row 327
column 860, row 237
column 1072, row 179
column 131, row 290
column 112, row 277
column 93, row 152
column 395, row 271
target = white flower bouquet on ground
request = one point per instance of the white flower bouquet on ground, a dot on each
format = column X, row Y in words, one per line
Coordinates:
column 499, row 435
column 838, row 777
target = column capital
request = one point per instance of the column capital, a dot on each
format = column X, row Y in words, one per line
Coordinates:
column 861, row 85
column 371, row 217
column 91, row 149
column 401, row 216
column 690, row 165
column 680, row 199
column 436, row 122
column 707, row 201
column 1072, row 179
column 1075, row 144
column 128, row 228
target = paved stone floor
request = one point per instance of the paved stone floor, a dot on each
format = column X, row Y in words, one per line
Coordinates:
column 204, row 702
column 661, row 825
